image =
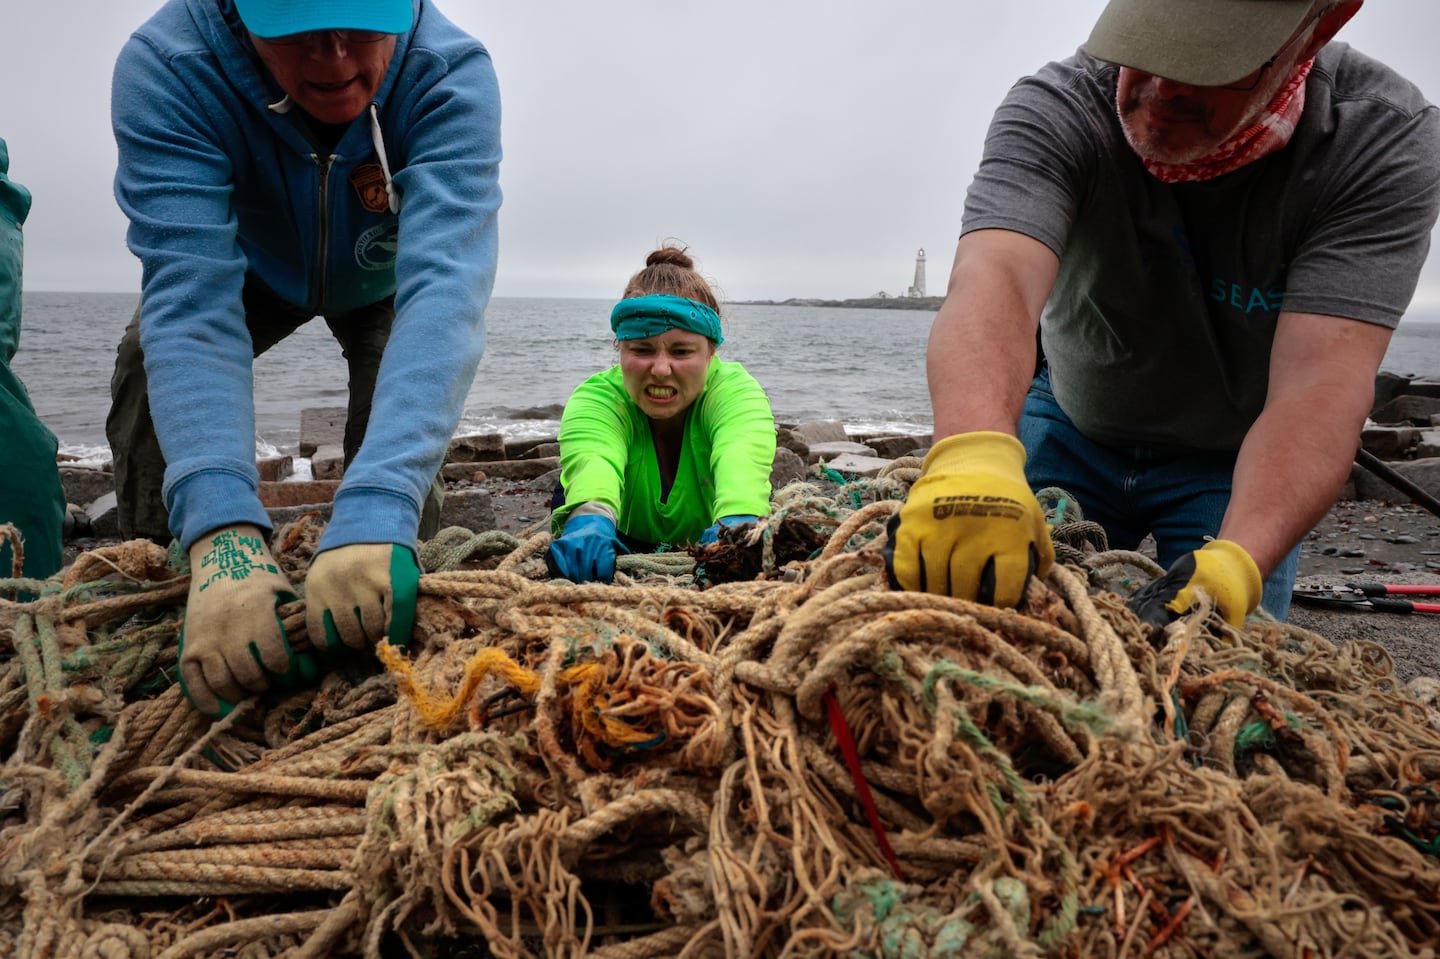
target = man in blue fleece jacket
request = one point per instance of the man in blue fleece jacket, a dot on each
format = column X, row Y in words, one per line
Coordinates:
column 281, row 160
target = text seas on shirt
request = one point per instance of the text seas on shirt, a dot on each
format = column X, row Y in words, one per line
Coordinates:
column 664, row 374
column 330, row 74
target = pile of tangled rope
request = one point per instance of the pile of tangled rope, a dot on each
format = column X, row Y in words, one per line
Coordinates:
column 806, row 763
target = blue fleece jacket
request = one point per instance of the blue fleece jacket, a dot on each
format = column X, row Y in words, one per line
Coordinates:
column 217, row 181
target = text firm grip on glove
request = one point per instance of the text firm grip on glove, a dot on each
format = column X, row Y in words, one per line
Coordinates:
column 971, row 527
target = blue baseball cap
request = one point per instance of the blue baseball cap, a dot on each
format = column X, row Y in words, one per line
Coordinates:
column 278, row 18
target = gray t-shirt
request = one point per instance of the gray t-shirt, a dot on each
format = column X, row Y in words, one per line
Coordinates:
column 1158, row 330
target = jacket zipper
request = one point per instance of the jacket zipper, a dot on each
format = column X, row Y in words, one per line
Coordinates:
column 323, row 164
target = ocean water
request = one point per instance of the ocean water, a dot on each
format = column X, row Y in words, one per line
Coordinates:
column 865, row 368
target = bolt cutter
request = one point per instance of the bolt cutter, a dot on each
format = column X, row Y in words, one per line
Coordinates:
column 1371, row 597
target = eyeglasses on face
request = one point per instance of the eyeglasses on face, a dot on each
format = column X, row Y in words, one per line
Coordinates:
column 311, row 36
column 1244, row 86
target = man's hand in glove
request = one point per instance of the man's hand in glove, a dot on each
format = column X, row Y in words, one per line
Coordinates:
column 1221, row 568
column 361, row 594
column 586, row 551
column 232, row 642
column 712, row 532
column 970, row 527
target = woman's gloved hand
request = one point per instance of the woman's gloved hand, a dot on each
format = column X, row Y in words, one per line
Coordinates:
column 712, row 532
column 361, row 594
column 586, row 550
column 1223, row 569
column 971, row 527
column 232, row 642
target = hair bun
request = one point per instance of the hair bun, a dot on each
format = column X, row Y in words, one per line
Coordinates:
column 673, row 255
column 670, row 270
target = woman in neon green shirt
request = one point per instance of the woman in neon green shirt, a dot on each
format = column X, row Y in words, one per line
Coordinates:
column 670, row 444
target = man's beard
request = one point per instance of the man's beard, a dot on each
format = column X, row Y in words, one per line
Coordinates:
column 1168, row 147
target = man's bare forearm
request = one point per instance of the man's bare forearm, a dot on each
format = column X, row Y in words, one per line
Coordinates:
column 981, row 353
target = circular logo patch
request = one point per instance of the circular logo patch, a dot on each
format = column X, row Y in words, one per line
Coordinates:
column 376, row 247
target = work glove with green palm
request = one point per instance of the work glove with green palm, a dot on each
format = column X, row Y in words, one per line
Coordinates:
column 1223, row 569
column 232, row 641
column 971, row 527
column 360, row 594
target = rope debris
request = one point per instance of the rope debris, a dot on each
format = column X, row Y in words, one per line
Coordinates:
column 652, row 768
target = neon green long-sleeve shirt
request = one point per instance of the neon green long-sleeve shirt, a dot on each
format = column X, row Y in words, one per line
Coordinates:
column 607, row 456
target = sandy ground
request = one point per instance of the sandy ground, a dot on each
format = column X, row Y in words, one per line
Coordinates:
column 1369, row 542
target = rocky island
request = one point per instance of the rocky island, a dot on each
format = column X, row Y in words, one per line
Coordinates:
column 931, row 303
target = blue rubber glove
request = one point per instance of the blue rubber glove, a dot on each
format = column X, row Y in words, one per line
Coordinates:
column 586, row 551
column 712, row 532
column 361, row 594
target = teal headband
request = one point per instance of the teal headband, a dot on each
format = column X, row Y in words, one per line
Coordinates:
column 641, row 316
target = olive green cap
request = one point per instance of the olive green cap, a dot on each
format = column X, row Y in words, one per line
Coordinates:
column 1202, row 42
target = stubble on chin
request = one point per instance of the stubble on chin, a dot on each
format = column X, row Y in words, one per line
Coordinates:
column 1153, row 145
column 1191, row 141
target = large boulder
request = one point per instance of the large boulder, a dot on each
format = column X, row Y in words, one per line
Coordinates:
column 822, row 431
column 1409, row 408
column 84, row 486
column 1424, row 473
column 321, row 426
column 483, row 447
column 788, row 467
column 470, row 508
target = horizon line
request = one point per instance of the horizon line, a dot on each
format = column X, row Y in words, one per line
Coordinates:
column 1428, row 311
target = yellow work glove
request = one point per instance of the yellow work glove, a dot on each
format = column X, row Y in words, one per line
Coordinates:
column 971, row 527
column 1221, row 568
column 360, row 595
column 232, row 641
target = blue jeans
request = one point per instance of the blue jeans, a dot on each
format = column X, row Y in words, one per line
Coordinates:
column 1178, row 497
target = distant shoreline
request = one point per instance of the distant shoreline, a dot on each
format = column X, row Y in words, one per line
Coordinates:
column 931, row 303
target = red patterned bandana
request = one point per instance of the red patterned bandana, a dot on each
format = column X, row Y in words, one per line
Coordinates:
column 1270, row 131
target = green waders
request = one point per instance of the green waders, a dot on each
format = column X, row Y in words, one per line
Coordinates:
column 31, row 497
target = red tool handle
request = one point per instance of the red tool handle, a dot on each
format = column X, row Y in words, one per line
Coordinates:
column 1391, row 589
column 1403, row 606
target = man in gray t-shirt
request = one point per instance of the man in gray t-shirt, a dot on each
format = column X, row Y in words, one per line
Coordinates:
column 1216, row 217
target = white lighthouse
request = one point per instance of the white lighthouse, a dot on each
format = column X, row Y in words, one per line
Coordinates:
column 918, row 287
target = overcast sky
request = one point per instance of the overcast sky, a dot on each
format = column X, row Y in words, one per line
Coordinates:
column 799, row 148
